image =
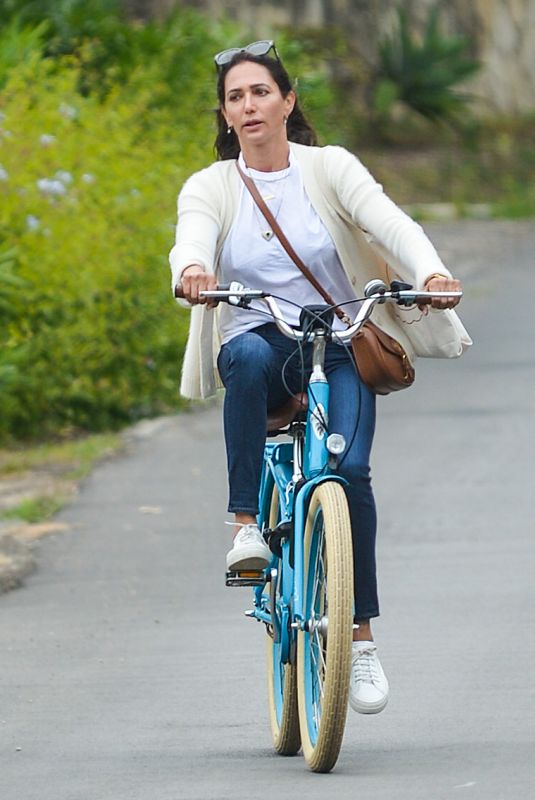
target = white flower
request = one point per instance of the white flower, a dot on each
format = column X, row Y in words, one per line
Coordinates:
column 67, row 111
column 63, row 176
column 32, row 223
column 87, row 177
column 135, row 192
column 2, row 116
column 51, row 187
column 4, row 176
column 47, row 139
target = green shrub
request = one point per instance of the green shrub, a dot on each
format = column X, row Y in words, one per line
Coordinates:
column 422, row 74
column 109, row 48
column 10, row 286
column 89, row 203
column 18, row 43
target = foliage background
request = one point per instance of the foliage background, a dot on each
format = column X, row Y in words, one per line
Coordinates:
column 101, row 120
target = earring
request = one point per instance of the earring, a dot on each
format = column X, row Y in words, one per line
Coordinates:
column 285, row 120
column 229, row 129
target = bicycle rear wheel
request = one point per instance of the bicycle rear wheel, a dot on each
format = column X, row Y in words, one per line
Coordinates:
column 324, row 649
column 282, row 677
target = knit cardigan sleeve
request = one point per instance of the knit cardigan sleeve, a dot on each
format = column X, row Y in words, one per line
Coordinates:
column 384, row 223
column 199, row 224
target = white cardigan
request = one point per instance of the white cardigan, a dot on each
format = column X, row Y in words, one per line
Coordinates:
column 367, row 228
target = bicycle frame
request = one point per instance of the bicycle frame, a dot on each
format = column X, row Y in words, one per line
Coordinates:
column 295, row 469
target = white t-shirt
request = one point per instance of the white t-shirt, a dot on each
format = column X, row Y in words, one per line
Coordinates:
column 258, row 263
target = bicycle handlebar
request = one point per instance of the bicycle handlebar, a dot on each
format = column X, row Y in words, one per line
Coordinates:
column 375, row 292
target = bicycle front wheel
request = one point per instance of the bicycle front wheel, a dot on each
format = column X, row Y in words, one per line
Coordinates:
column 282, row 677
column 324, row 648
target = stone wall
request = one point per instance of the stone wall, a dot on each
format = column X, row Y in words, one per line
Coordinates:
column 502, row 32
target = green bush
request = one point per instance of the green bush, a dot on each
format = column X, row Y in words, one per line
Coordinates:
column 93, row 338
column 18, row 43
column 10, row 286
column 423, row 74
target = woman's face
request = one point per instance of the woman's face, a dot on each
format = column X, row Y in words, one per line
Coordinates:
column 254, row 105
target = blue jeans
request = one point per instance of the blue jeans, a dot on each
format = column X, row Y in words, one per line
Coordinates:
column 257, row 369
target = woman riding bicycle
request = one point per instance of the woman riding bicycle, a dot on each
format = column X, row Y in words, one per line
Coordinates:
column 328, row 205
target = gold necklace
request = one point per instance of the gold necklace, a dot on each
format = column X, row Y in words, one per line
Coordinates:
column 266, row 232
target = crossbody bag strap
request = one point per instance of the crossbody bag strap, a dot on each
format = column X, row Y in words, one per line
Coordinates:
column 277, row 230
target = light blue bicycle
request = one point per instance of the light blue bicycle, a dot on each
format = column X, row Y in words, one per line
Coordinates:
column 305, row 597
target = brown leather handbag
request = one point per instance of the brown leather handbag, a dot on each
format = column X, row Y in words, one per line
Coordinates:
column 382, row 362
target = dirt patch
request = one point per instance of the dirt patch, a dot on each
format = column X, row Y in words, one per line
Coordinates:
column 16, row 561
column 37, row 530
column 16, row 489
column 17, row 537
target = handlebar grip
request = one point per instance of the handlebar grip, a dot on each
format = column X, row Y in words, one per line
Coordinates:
column 221, row 287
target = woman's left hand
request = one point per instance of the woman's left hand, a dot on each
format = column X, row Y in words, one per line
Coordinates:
column 441, row 283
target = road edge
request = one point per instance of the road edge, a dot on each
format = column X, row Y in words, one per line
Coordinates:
column 16, row 560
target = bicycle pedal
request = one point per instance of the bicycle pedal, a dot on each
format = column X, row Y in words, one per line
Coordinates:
column 249, row 577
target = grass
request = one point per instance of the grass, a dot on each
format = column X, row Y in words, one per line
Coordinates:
column 73, row 459
column 36, row 509
column 66, row 462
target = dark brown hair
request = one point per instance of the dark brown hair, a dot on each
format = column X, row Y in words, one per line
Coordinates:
column 298, row 128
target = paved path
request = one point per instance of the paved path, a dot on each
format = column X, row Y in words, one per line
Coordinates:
column 129, row 673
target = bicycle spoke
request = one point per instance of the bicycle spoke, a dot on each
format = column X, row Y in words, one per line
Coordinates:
column 319, row 576
column 320, row 665
column 318, row 608
column 320, row 648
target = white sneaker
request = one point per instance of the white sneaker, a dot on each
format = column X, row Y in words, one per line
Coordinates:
column 249, row 550
column 369, row 686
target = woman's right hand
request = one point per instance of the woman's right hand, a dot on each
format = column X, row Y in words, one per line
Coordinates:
column 194, row 280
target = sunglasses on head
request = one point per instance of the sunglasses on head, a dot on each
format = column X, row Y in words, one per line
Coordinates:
column 260, row 48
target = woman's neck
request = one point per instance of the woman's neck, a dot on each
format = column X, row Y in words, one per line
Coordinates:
column 267, row 159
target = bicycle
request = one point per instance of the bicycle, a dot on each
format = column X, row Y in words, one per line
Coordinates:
column 305, row 597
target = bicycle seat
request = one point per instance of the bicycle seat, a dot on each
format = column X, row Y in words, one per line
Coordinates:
column 280, row 417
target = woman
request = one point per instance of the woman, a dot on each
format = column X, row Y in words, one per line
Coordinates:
column 329, row 207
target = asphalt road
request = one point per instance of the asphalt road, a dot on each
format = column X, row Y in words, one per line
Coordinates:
column 128, row 671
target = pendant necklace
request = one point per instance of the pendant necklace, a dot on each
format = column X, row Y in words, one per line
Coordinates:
column 267, row 233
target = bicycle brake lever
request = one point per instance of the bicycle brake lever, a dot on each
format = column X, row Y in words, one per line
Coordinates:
column 400, row 286
column 396, row 287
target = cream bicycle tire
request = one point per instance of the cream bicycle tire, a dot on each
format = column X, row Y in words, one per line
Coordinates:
column 324, row 650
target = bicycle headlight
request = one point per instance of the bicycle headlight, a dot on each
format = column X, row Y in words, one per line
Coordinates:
column 336, row 444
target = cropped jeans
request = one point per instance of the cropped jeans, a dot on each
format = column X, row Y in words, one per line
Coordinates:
column 257, row 369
